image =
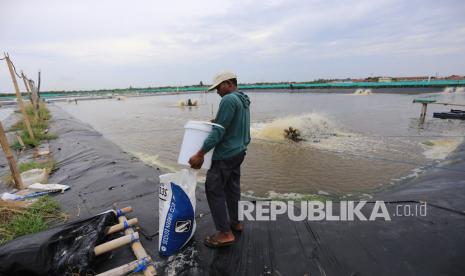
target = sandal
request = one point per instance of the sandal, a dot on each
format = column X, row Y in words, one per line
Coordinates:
column 237, row 227
column 212, row 242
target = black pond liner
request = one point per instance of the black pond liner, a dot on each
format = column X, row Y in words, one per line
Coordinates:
column 62, row 250
column 101, row 174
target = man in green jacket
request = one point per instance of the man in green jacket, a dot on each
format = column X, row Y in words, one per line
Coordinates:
column 230, row 142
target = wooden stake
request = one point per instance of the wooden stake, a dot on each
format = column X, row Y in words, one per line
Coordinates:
column 35, row 98
column 28, row 89
column 11, row 160
column 20, row 99
column 20, row 140
column 38, row 84
column 116, row 243
column 38, row 91
column 137, row 248
column 28, row 85
column 423, row 112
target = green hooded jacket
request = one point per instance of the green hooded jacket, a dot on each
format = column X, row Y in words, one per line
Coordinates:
column 234, row 115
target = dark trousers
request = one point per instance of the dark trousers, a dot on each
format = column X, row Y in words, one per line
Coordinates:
column 223, row 190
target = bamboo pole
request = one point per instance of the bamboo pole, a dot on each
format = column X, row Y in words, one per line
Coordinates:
column 116, row 243
column 18, row 96
column 137, row 248
column 119, row 227
column 11, row 160
column 126, row 210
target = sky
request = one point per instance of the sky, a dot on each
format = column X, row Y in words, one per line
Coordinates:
column 88, row 44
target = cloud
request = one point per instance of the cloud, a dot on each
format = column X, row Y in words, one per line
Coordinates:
column 97, row 44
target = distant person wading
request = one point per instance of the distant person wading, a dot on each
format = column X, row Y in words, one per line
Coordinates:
column 222, row 185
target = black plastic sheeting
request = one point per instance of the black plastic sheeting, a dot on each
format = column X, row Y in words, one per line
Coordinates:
column 101, row 174
column 63, row 250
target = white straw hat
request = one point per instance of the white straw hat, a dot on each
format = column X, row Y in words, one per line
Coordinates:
column 222, row 77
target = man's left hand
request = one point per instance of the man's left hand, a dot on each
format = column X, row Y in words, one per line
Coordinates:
column 196, row 161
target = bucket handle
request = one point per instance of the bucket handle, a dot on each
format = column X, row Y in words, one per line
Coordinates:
column 213, row 124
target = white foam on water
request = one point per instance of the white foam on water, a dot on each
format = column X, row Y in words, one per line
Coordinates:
column 413, row 174
column 295, row 196
column 366, row 196
column 321, row 192
column 275, row 195
column 153, row 161
column 250, row 194
column 449, row 90
column 439, row 149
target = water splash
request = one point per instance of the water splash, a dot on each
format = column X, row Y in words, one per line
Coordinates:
column 460, row 90
column 449, row 90
column 317, row 131
column 362, row 92
column 183, row 103
column 120, row 98
column 313, row 127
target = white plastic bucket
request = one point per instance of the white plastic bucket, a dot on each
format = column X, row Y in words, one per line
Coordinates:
column 195, row 133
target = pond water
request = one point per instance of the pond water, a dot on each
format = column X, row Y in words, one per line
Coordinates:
column 355, row 143
column 5, row 112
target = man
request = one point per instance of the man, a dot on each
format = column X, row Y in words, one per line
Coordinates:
column 230, row 142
